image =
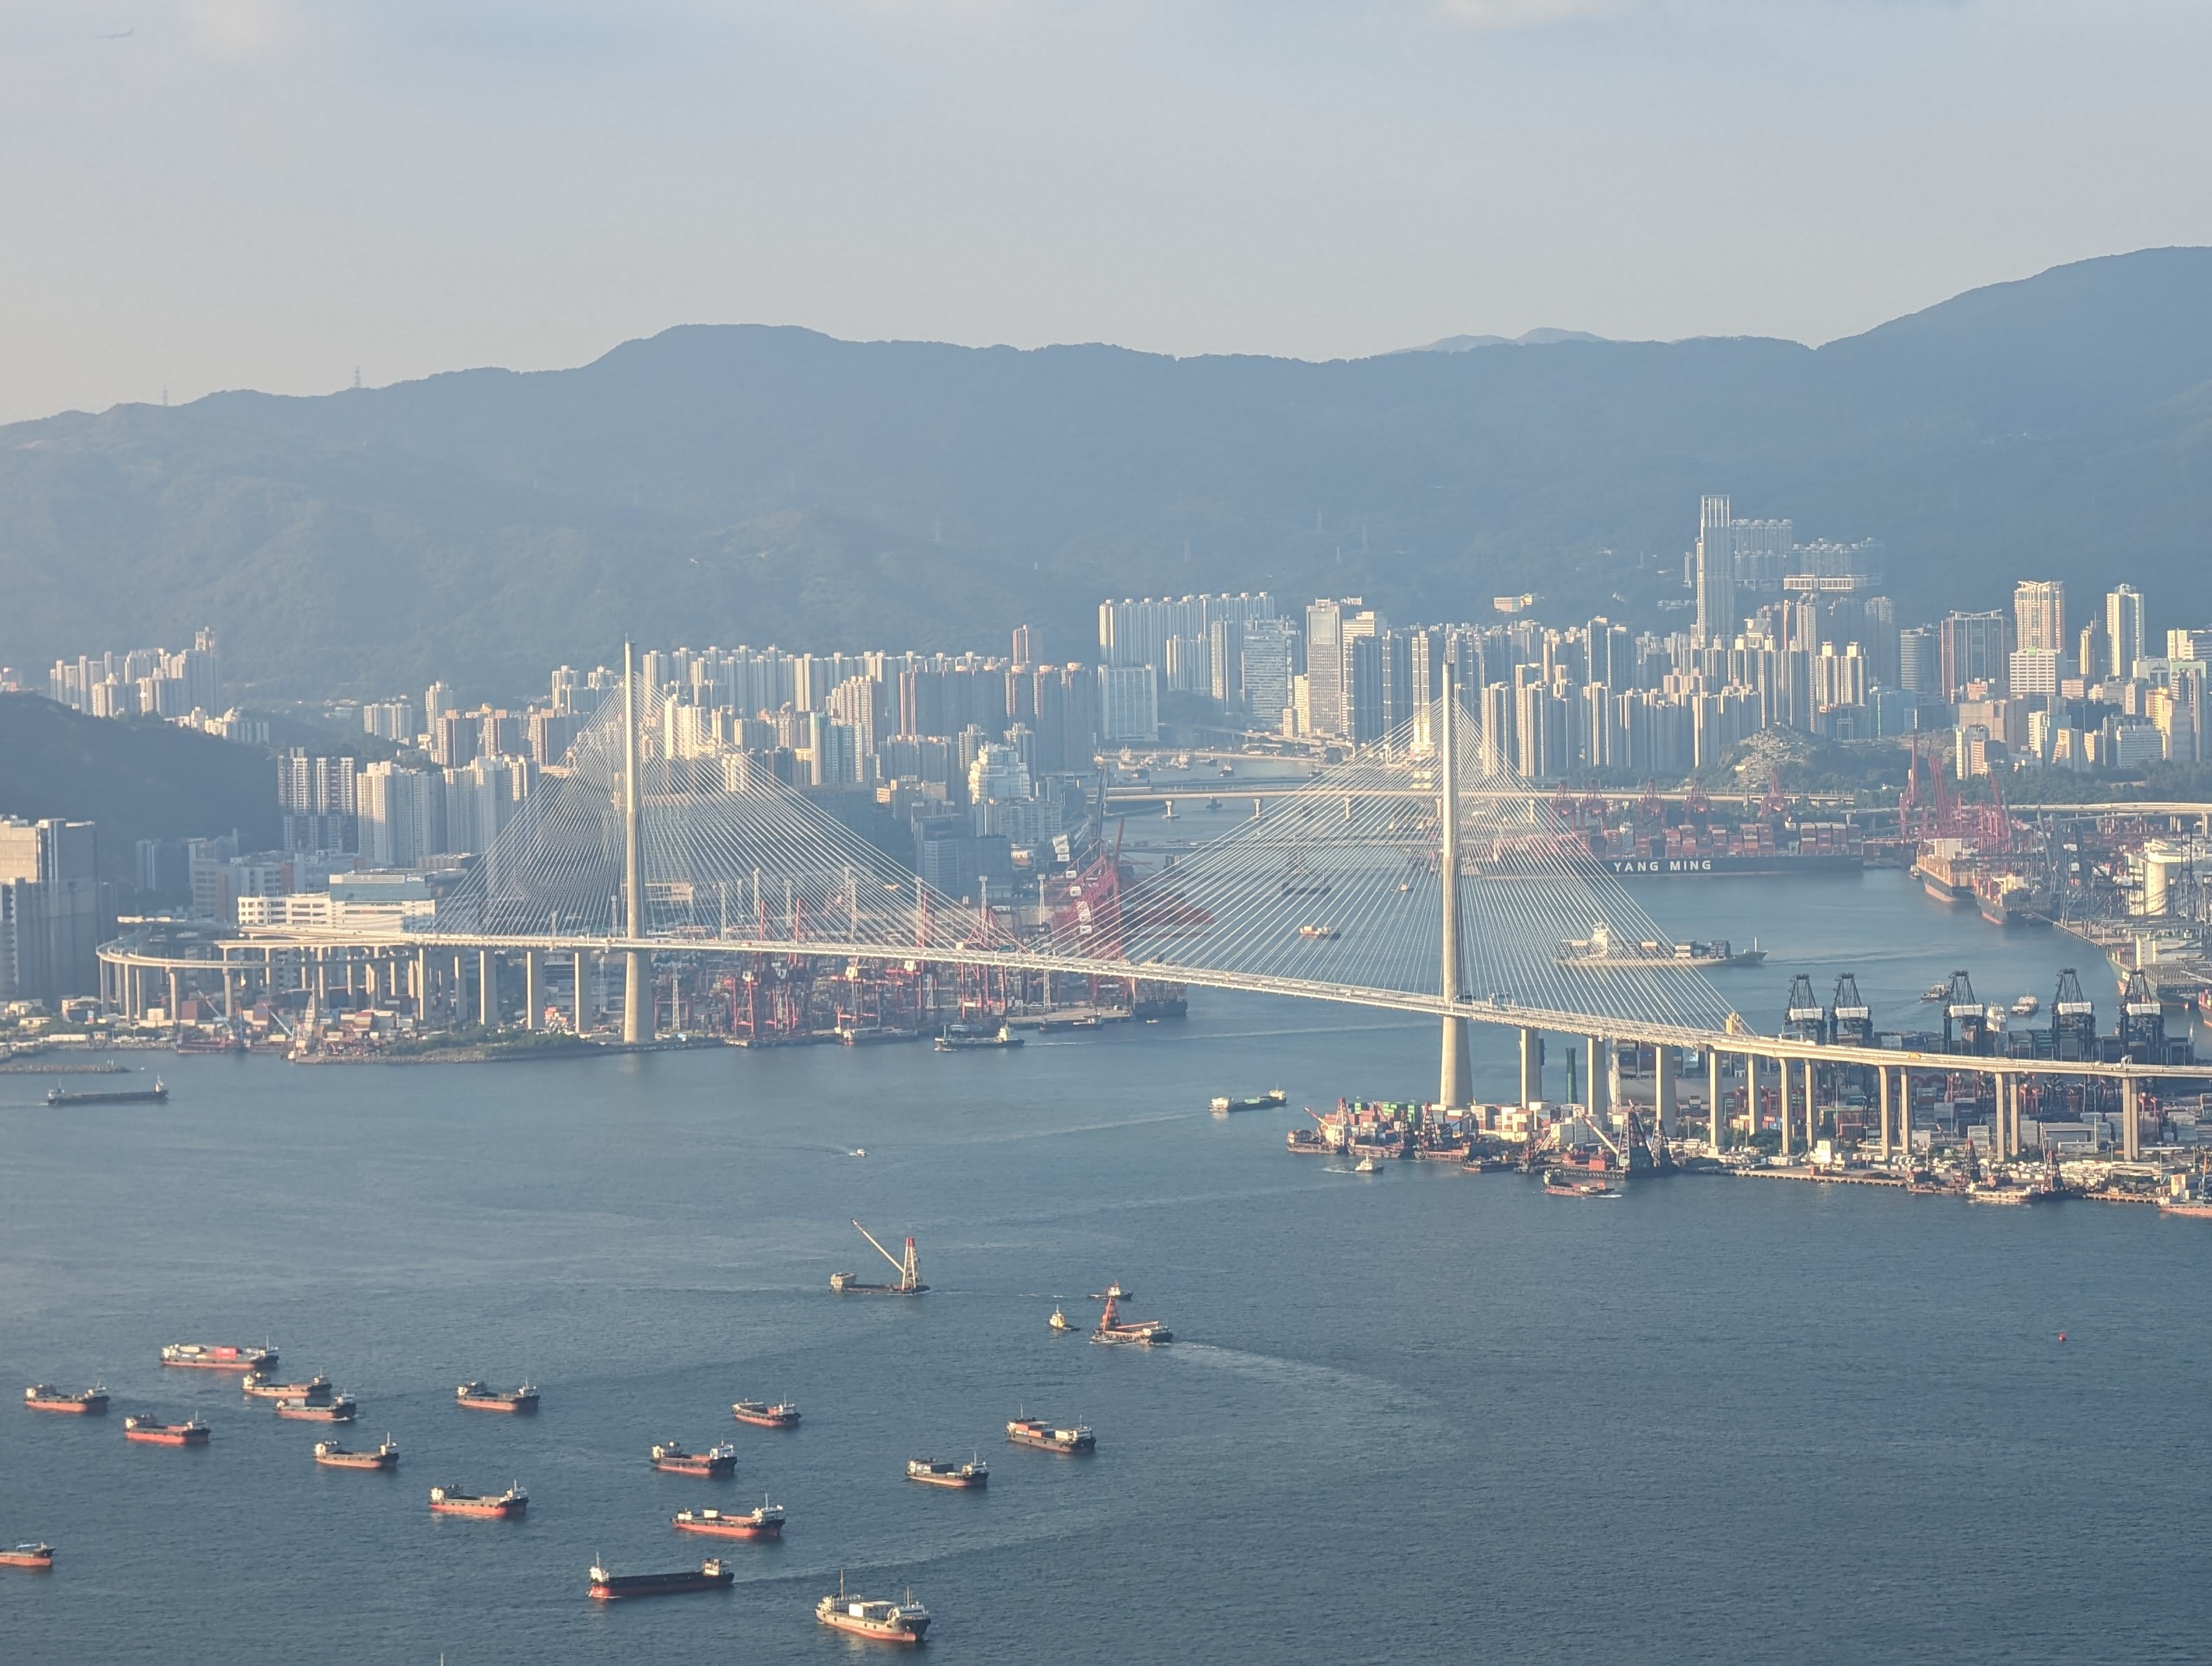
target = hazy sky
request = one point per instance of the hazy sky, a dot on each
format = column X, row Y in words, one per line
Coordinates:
column 198, row 194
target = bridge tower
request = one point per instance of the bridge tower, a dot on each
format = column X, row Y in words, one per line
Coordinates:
column 637, row 966
column 1456, row 1080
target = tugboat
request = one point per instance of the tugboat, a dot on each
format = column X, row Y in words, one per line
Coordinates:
column 885, row 1622
column 315, row 1391
column 189, row 1432
column 504, row 1506
column 1038, row 1433
column 37, row 1558
column 45, row 1397
column 334, row 1454
column 483, row 1397
column 339, row 1410
column 1112, row 1328
column 936, row 1472
column 1059, row 1321
column 606, row 1587
column 195, row 1356
column 781, row 1416
column 671, row 1459
column 765, row 1521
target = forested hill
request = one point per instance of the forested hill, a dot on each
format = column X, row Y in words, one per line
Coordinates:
column 731, row 484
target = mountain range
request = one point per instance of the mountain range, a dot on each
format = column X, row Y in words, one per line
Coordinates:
column 728, row 484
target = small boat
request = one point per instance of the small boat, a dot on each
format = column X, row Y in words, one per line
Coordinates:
column 335, row 1454
column 195, row 1356
column 1039, row 1432
column 504, row 1506
column 45, row 1397
column 1059, row 1322
column 884, row 1622
column 190, row 1432
column 315, row 1391
column 606, row 1587
column 858, row 1151
column 483, row 1397
column 340, row 1410
column 765, row 1521
column 35, row 1557
column 2027, row 1006
column 671, row 1459
column 938, row 1472
column 1367, row 1165
column 781, row 1416
column 1936, row 992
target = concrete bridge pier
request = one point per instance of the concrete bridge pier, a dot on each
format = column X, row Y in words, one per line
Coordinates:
column 1532, row 1068
column 1812, row 1106
column 1782, row 1101
column 1666, row 1066
column 2129, row 1135
column 582, row 1004
column 1881, row 1088
column 1716, row 1110
column 488, row 987
column 533, row 990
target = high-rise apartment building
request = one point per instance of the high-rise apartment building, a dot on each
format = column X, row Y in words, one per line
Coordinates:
column 1714, row 574
column 2039, row 612
column 1973, row 647
column 1270, row 649
column 2123, row 630
column 1129, row 703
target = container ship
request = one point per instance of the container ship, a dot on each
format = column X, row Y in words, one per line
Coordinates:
column 45, row 1397
column 338, row 1410
column 764, row 1521
column 937, row 1471
column 197, row 1356
column 708, row 1576
column 1945, row 868
column 505, row 1507
column 781, row 1416
column 1113, row 1327
column 884, row 1622
column 483, row 1397
column 315, row 1391
column 909, row 1272
column 335, row 1454
column 190, row 1432
column 35, row 1557
column 1273, row 1099
column 1041, row 1434
column 154, row 1094
column 671, row 1459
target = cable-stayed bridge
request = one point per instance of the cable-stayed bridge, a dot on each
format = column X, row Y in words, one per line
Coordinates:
column 1400, row 878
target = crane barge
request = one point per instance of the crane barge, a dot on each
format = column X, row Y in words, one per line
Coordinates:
column 909, row 1271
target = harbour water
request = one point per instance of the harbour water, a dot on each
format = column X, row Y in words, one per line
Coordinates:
column 1423, row 1417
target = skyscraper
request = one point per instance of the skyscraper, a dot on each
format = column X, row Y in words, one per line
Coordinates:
column 2123, row 629
column 2039, row 611
column 1714, row 574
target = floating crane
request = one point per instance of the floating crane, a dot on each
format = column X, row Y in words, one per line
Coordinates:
column 909, row 1272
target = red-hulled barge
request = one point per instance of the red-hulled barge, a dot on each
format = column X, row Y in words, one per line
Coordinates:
column 672, row 1459
column 195, row 1356
column 708, row 1576
column 335, row 1455
column 483, row 1397
column 340, row 1410
column 781, row 1416
column 765, row 1521
column 190, row 1432
column 505, row 1507
column 315, row 1391
column 45, row 1397
column 36, row 1559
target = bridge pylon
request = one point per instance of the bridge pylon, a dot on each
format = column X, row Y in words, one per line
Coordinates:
column 1455, row 1085
column 637, row 966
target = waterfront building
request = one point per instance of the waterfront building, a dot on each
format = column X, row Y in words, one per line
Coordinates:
column 54, row 910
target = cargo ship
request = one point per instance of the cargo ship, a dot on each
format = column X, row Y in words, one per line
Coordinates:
column 1558, row 1182
column 884, row 1622
column 671, row 1459
column 315, row 1391
column 45, row 1397
column 1599, row 953
column 337, row 1410
column 1038, row 1433
column 1112, row 1328
column 1945, row 868
column 764, row 1521
column 335, row 1455
column 1273, row 1099
column 781, row 1416
column 967, row 1037
column 505, row 1507
column 1807, row 866
column 197, row 1356
column 937, row 1471
column 909, row 1272
column 189, row 1432
column 122, row 1096
column 483, row 1397
column 37, row 1558
column 2007, row 899
column 710, row 1575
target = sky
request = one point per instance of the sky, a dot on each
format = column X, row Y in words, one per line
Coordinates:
column 203, row 194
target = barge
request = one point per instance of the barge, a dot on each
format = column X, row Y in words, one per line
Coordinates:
column 502, row 1507
column 709, row 1575
column 45, row 1397
column 483, row 1397
column 764, row 1521
column 672, row 1459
